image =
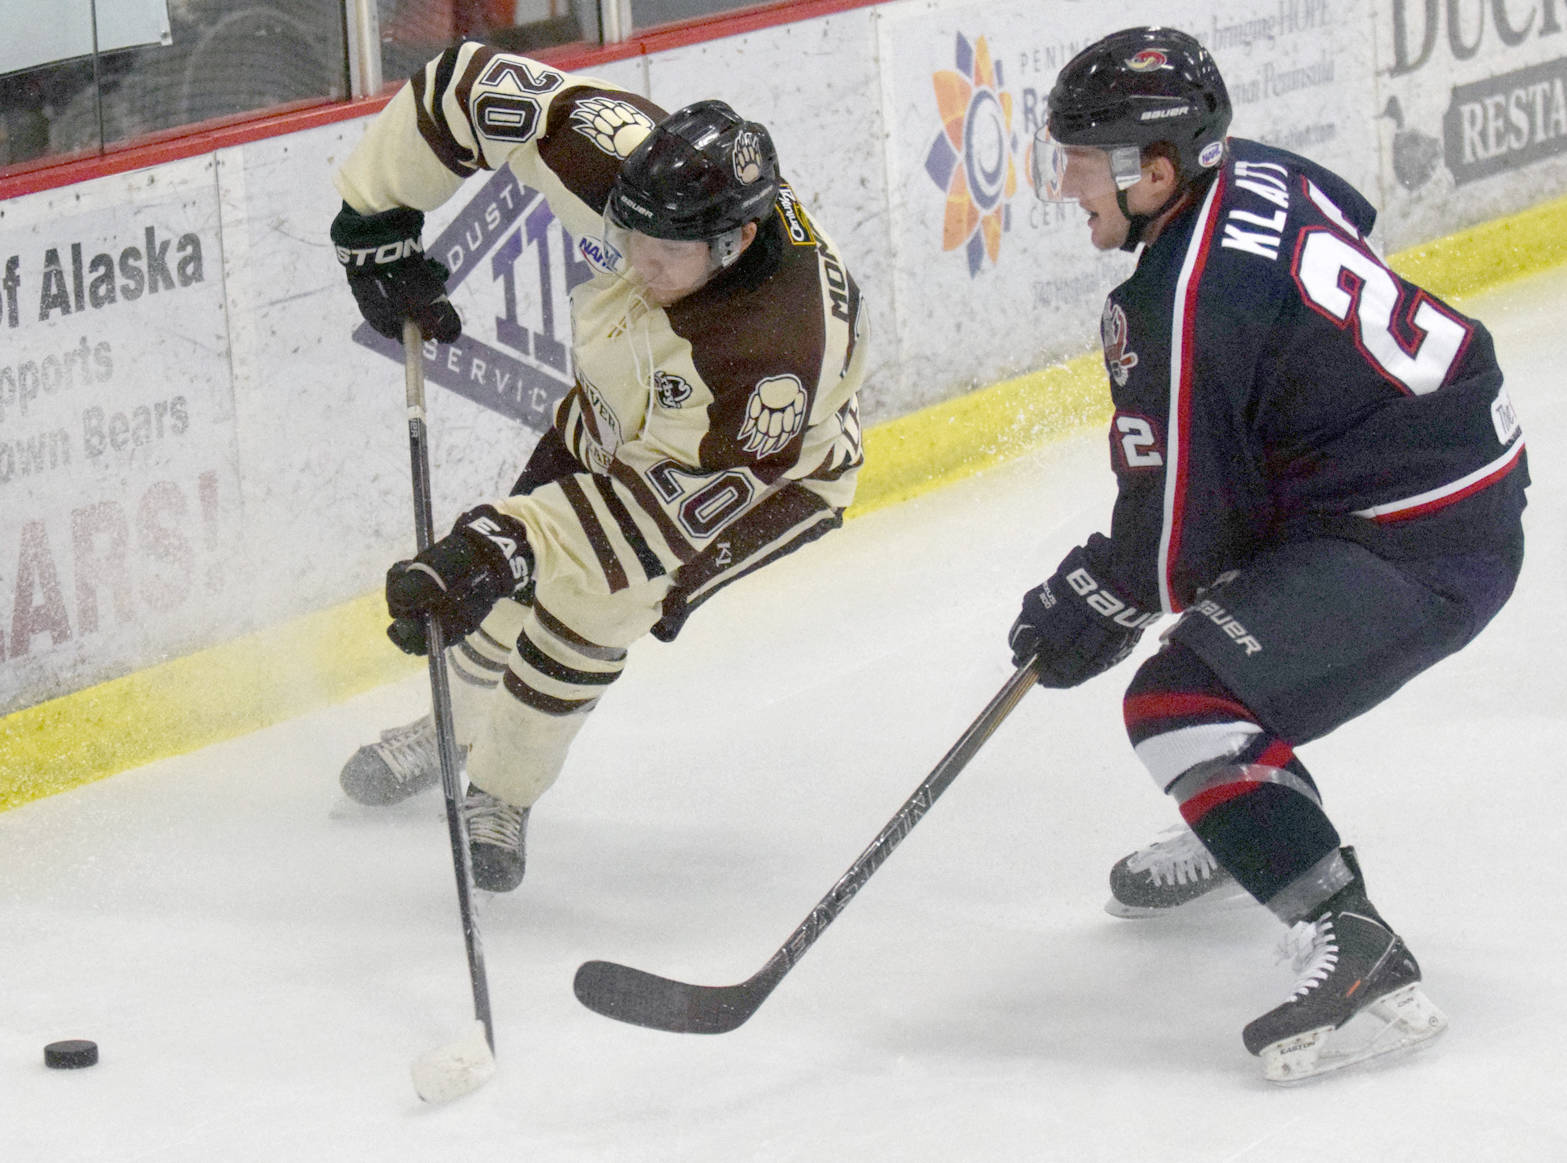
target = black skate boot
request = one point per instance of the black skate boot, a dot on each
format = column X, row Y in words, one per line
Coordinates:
column 1358, row 996
column 497, row 835
column 1173, row 871
column 403, row 762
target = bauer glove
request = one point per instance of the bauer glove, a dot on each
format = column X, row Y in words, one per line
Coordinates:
column 458, row 580
column 389, row 275
column 1076, row 626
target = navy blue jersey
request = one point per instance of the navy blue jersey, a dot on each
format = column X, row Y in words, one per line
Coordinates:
column 1274, row 380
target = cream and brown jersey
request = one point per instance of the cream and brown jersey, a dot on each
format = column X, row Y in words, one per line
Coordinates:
column 713, row 434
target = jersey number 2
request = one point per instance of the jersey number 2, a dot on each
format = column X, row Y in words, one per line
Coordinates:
column 1367, row 301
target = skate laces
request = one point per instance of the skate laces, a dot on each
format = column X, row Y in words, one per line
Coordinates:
column 409, row 752
column 1179, row 860
column 1311, row 948
column 493, row 821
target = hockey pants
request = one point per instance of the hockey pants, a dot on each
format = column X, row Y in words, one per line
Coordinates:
column 526, row 680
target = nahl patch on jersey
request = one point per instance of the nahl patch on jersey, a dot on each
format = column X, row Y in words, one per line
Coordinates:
column 774, row 414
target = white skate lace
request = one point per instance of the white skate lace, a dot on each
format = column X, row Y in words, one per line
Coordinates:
column 1178, row 860
column 1312, row 950
column 408, row 752
column 492, row 821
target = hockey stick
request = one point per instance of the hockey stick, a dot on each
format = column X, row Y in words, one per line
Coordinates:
column 466, row 1064
column 645, row 999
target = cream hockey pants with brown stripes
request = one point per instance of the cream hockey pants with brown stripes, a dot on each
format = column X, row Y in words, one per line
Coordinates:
column 524, row 683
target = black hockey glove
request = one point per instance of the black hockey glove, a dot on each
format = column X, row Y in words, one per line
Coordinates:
column 390, row 276
column 1069, row 622
column 459, row 579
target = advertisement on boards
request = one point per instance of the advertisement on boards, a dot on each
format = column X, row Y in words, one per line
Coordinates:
column 990, row 282
column 118, row 486
column 1473, row 110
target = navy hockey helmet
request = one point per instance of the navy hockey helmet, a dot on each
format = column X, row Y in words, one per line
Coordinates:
column 1133, row 89
column 701, row 174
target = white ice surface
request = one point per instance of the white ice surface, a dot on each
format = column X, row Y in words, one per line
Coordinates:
column 260, row 967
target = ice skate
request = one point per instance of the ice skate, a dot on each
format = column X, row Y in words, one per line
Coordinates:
column 1174, row 872
column 497, row 835
column 1358, row 996
column 403, row 762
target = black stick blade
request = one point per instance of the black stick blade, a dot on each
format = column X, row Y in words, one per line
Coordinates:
column 645, row 999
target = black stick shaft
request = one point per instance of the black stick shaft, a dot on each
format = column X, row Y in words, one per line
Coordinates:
column 913, row 809
column 440, row 689
column 660, row 1003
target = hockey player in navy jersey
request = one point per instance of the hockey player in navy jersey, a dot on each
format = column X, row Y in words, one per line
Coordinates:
column 1318, row 469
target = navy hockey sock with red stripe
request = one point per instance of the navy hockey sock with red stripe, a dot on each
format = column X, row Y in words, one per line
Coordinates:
column 1240, row 787
column 1259, row 821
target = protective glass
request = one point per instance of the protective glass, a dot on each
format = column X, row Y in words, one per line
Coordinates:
column 1069, row 173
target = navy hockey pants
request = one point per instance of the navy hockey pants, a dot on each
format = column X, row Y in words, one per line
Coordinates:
column 1314, row 633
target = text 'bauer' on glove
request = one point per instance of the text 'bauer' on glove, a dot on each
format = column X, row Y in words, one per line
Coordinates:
column 1076, row 626
column 389, row 275
column 458, row 580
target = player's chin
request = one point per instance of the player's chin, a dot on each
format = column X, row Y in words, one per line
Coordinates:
column 1103, row 234
column 666, row 295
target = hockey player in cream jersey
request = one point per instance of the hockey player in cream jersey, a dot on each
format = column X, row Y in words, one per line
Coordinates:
column 712, row 428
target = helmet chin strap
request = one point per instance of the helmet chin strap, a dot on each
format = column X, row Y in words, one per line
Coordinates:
column 1138, row 223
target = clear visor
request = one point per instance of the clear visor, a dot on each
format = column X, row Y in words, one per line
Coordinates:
column 623, row 244
column 1070, row 173
column 666, row 269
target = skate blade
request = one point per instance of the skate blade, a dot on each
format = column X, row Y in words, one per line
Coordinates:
column 1228, row 900
column 1402, row 1021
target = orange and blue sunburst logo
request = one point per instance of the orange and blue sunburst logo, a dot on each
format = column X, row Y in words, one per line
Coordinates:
column 972, row 158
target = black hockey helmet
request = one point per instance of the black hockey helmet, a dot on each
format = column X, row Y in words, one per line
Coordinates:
column 1139, row 87
column 701, row 174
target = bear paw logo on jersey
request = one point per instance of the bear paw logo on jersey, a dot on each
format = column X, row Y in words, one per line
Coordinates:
column 1119, row 362
column 1148, row 60
column 671, row 390
column 774, row 414
column 615, row 127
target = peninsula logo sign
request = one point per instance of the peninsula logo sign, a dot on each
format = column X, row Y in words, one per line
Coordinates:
column 973, row 158
column 519, row 264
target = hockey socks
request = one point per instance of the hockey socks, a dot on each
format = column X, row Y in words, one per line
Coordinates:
column 1263, row 823
column 1240, row 787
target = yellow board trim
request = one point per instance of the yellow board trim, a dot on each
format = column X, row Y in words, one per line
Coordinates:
column 329, row 655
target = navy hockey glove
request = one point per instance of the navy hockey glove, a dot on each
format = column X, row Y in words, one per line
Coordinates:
column 459, row 579
column 1070, row 623
column 390, row 276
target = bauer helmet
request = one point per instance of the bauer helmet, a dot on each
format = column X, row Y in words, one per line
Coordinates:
column 700, row 175
column 1130, row 90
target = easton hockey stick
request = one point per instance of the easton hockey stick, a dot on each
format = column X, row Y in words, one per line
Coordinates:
column 456, row 1068
column 645, row 999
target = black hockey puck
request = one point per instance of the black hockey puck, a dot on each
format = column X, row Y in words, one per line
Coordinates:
column 71, row 1055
